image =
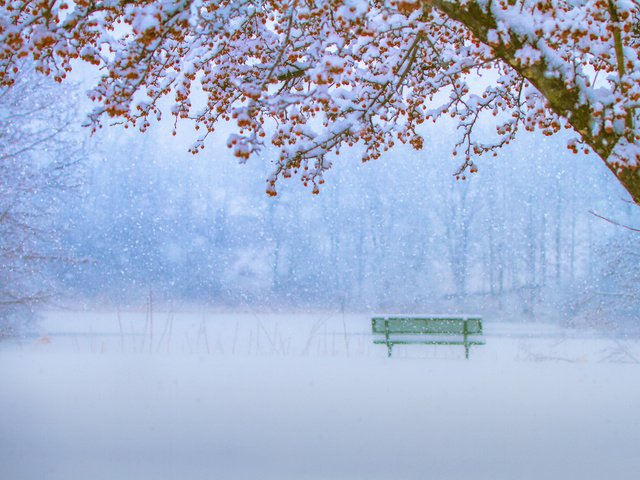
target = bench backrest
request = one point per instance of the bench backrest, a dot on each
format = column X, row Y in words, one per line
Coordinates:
column 427, row 325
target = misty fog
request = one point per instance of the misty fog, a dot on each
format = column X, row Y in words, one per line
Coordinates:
column 522, row 239
column 162, row 317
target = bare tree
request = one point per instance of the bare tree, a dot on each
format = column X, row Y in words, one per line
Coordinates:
column 38, row 166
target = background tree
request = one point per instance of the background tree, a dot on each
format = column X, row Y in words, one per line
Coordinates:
column 318, row 76
column 38, row 166
column 200, row 232
column 612, row 296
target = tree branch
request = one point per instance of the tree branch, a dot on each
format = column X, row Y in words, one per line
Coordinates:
column 564, row 100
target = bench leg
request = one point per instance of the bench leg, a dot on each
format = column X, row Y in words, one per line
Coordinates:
column 466, row 341
column 389, row 347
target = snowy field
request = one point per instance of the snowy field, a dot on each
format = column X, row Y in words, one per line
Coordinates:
column 167, row 395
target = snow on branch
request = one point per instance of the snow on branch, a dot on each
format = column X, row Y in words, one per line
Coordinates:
column 313, row 77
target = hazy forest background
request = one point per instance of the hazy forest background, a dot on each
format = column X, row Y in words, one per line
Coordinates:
column 105, row 220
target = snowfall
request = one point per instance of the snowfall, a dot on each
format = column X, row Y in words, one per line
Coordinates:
column 163, row 395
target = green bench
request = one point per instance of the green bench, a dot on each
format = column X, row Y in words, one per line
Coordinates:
column 427, row 330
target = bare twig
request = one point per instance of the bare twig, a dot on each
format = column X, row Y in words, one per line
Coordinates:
column 614, row 222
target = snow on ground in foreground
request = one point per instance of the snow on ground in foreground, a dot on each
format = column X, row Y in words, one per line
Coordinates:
column 310, row 397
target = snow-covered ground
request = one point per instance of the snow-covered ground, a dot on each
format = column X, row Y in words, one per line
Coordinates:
column 309, row 396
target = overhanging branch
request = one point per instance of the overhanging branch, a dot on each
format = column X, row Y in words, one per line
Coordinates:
column 562, row 99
